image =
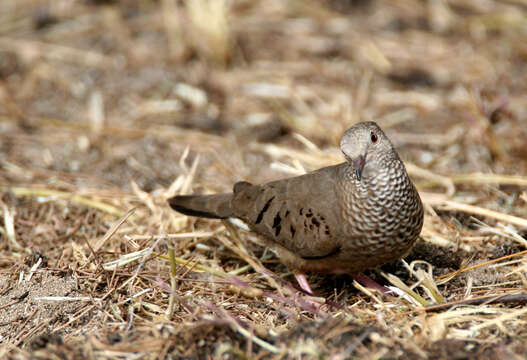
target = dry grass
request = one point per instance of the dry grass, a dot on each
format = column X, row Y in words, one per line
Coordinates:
column 109, row 108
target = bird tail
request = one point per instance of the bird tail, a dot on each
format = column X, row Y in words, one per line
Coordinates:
column 208, row 206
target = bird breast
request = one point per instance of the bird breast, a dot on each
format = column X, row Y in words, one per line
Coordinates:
column 382, row 211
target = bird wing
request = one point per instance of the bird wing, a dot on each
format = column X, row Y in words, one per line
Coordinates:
column 300, row 213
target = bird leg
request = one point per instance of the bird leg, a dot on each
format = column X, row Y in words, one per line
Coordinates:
column 304, row 284
column 370, row 283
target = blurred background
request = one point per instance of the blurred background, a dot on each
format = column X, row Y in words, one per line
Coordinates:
column 116, row 91
column 111, row 105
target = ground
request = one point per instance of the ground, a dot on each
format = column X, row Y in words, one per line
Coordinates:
column 109, row 108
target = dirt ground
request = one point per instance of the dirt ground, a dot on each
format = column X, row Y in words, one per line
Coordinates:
column 108, row 108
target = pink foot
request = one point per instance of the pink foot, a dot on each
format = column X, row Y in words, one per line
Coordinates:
column 304, row 284
column 369, row 283
column 302, row 281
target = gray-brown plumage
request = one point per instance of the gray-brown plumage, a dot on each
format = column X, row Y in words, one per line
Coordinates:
column 345, row 218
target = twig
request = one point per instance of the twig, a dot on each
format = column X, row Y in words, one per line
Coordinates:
column 460, row 271
column 481, row 179
column 481, row 300
column 476, row 210
column 99, row 243
column 241, row 251
column 30, row 332
column 236, row 325
column 22, row 191
column 427, row 174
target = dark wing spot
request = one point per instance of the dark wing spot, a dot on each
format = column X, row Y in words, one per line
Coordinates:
column 315, row 222
column 286, row 213
column 277, row 219
column 301, row 211
column 277, row 231
column 264, row 209
column 293, row 231
column 309, row 213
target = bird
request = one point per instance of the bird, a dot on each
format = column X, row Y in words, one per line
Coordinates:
column 345, row 218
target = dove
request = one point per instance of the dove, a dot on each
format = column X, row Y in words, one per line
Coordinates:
column 345, row 218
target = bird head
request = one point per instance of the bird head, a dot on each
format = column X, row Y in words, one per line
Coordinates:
column 367, row 148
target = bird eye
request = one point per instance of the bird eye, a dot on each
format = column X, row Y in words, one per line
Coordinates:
column 373, row 137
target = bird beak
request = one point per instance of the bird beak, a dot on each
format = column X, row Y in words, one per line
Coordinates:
column 358, row 164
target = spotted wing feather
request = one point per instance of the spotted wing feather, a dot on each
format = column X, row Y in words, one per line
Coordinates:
column 298, row 213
